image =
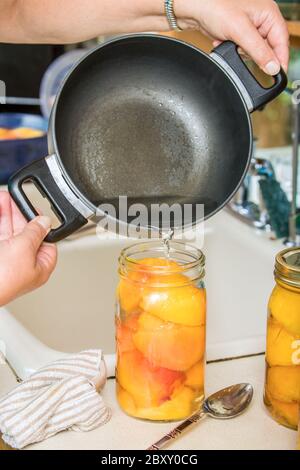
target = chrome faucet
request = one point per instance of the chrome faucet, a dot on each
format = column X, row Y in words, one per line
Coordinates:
column 248, row 203
column 294, row 238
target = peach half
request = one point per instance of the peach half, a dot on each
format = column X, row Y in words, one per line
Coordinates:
column 284, row 306
column 148, row 385
column 180, row 405
column 131, row 288
column 169, row 345
column 283, row 383
column 125, row 328
column 281, row 345
column 286, row 413
column 195, row 376
column 185, row 305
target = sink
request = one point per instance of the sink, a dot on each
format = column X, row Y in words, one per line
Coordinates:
column 75, row 310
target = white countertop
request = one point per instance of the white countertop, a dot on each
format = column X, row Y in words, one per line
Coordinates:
column 253, row 430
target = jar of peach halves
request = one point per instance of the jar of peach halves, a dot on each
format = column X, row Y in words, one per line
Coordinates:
column 282, row 389
column 160, row 324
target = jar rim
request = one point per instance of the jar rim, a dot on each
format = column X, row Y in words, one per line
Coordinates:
column 128, row 262
column 287, row 268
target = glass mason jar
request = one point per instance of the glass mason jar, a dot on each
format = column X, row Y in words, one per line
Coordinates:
column 282, row 388
column 160, row 331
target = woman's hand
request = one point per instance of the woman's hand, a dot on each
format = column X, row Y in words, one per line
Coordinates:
column 26, row 263
column 257, row 26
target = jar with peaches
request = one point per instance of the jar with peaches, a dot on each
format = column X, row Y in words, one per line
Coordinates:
column 282, row 388
column 160, row 331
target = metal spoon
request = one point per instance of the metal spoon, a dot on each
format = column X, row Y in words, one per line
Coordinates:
column 225, row 404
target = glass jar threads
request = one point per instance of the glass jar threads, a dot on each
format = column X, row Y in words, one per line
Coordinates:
column 282, row 388
column 160, row 331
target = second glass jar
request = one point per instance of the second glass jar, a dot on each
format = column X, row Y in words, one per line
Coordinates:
column 160, row 331
column 282, row 389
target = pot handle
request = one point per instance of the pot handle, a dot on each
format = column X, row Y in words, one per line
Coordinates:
column 38, row 172
column 258, row 94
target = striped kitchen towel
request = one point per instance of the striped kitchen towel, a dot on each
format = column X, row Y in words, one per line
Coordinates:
column 63, row 395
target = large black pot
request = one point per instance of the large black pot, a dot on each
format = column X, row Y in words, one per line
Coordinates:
column 152, row 118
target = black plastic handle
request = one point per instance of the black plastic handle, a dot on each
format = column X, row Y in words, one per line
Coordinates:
column 259, row 95
column 38, row 172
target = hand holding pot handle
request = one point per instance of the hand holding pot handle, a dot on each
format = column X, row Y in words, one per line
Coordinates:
column 228, row 57
column 38, row 173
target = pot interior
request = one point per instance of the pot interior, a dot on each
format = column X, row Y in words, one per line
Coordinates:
column 153, row 119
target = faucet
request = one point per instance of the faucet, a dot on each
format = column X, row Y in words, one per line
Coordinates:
column 248, row 204
column 294, row 238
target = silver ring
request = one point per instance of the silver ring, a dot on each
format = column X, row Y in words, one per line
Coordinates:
column 170, row 14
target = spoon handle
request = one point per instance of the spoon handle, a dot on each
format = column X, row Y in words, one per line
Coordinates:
column 176, row 432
